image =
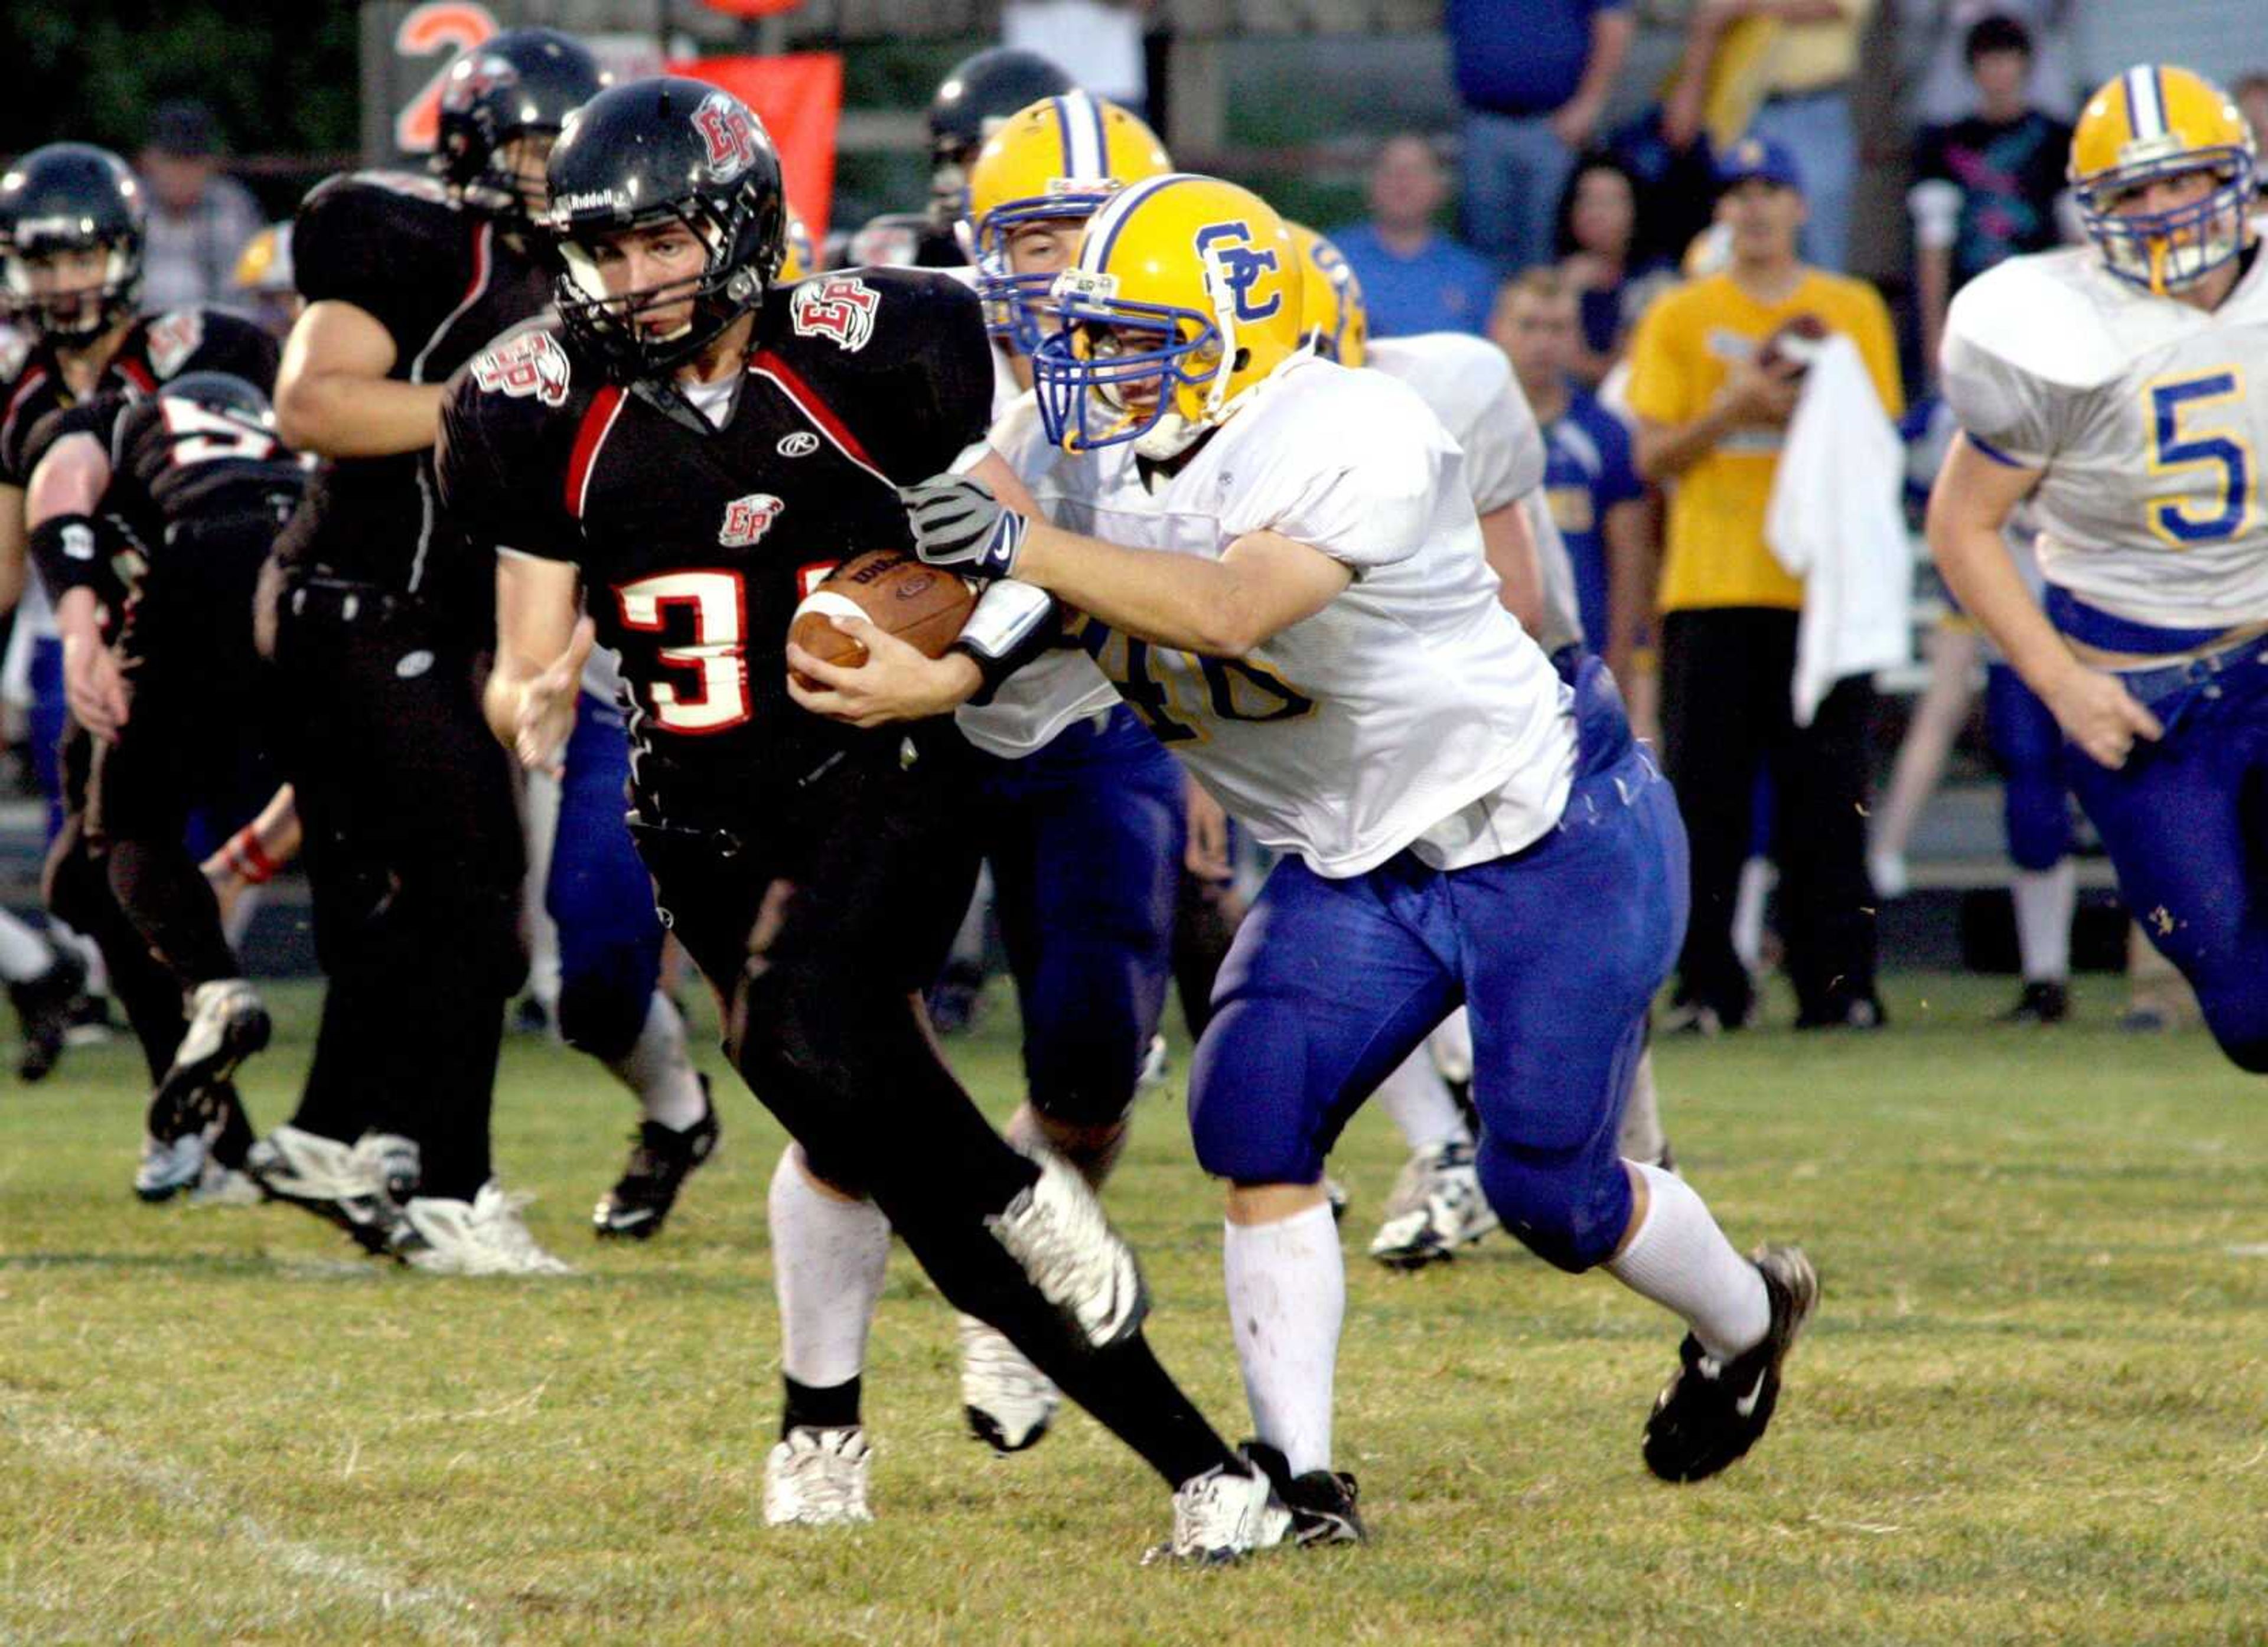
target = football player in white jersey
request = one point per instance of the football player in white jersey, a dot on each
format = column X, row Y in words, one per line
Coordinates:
column 1279, row 563
column 2118, row 387
column 1437, row 1205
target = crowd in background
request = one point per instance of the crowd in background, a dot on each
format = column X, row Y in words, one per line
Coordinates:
column 1572, row 232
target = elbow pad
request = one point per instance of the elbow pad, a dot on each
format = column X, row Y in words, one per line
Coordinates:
column 70, row 552
column 1012, row 624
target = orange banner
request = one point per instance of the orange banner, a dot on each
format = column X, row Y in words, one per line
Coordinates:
column 799, row 99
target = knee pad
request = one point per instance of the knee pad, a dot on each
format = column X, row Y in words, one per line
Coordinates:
column 1083, row 1074
column 603, row 1011
column 1570, row 1210
column 2239, row 1022
column 1256, row 1125
column 2038, row 825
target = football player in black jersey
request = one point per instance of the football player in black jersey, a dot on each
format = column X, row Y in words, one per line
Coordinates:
column 972, row 101
column 412, row 839
column 148, row 519
column 71, row 250
column 690, row 448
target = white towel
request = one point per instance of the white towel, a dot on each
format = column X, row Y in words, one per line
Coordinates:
column 1835, row 521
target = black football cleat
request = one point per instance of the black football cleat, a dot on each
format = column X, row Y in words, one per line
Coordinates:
column 660, row 1162
column 1321, row 1502
column 1711, row 1412
column 2044, row 1001
column 43, row 1006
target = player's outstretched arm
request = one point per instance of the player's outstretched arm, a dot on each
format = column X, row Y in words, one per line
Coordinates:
column 332, row 393
column 1968, row 508
column 542, row 643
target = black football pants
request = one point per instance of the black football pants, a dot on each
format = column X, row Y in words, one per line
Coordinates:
column 414, row 856
column 194, row 714
column 1727, row 718
column 818, row 918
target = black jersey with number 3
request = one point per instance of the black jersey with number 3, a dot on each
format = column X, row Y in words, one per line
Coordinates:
column 696, row 541
column 443, row 281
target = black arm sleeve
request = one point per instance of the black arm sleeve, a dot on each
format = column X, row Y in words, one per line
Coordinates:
column 382, row 243
column 498, row 463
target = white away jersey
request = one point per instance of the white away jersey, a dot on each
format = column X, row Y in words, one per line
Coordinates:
column 1409, row 712
column 1056, row 689
column 2149, row 417
column 1468, row 383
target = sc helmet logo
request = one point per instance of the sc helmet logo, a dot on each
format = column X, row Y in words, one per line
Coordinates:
column 1227, row 248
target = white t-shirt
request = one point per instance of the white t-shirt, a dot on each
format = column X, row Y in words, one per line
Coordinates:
column 1410, row 712
column 2150, row 419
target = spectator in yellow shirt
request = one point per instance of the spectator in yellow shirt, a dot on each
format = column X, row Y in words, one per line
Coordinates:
column 1715, row 371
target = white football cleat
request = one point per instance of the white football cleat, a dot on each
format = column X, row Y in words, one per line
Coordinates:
column 1221, row 1517
column 1008, row 1401
column 481, row 1237
column 166, row 1169
column 1056, row 1230
column 1437, row 1207
column 359, row 1187
column 817, row 1478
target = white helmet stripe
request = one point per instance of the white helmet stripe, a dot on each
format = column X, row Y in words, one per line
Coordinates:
column 2146, row 109
column 1080, row 122
column 1102, row 228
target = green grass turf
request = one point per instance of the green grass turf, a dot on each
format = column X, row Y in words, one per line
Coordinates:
column 2032, row 1407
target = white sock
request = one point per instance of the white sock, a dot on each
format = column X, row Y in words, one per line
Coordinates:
column 1420, row 1103
column 1641, row 1138
column 1286, row 1298
column 539, row 818
column 1758, row 877
column 658, row 1070
column 89, row 955
column 237, row 922
column 1451, row 1046
column 1681, row 1260
column 23, row 953
column 828, row 1256
column 2044, row 900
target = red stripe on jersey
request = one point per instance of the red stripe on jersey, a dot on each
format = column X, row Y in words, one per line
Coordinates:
column 606, row 405
column 480, row 266
column 139, row 375
column 25, row 385
column 816, row 409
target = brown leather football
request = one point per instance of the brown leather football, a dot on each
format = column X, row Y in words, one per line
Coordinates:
column 921, row 605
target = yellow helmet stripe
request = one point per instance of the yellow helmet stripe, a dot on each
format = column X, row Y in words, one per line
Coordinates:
column 2146, row 102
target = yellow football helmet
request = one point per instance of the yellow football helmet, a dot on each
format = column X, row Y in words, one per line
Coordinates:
column 1056, row 161
column 2153, row 121
column 1337, row 318
column 1186, row 294
column 799, row 257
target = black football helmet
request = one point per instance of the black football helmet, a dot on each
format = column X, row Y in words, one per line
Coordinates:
column 72, row 197
column 975, row 97
column 524, row 82
column 668, row 150
column 222, row 392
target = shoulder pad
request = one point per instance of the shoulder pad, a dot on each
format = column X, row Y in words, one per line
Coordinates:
column 532, row 362
column 2056, row 316
column 872, row 319
column 363, row 188
column 1462, row 377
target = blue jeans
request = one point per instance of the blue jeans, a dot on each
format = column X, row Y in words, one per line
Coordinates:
column 1513, row 172
column 2185, row 822
column 1557, row 951
column 1817, row 128
column 1085, row 838
column 609, row 936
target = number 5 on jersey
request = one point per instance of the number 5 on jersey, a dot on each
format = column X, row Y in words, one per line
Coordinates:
column 2220, row 493
column 719, row 700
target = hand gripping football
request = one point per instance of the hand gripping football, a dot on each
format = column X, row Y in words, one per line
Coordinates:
column 923, row 605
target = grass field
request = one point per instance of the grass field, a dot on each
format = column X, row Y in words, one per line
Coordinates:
column 2034, row 1406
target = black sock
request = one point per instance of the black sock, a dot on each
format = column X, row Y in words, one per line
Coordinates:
column 835, row 1406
